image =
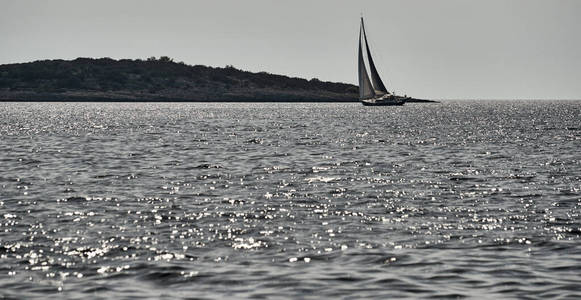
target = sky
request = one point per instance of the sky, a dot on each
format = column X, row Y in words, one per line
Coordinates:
column 435, row 49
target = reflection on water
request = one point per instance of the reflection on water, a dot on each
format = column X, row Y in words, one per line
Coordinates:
column 121, row 200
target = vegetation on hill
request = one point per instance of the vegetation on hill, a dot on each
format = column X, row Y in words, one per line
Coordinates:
column 157, row 79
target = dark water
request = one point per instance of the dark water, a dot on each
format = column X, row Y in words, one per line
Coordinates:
column 458, row 199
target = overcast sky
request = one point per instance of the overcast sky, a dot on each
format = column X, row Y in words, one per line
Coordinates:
column 432, row 49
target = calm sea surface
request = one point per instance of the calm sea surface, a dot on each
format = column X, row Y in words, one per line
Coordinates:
column 478, row 199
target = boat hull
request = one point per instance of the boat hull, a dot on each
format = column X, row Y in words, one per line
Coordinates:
column 385, row 101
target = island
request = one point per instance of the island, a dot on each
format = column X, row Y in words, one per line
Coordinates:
column 157, row 80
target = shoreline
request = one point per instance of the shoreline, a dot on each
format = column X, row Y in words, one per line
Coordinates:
column 161, row 80
column 201, row 101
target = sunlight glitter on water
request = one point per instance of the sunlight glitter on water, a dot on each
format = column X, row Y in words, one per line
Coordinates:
column 286, row 198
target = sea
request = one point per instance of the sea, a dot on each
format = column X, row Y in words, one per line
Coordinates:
column 457, row 199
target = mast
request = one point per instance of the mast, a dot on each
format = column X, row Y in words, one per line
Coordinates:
column 366, row 90
column 377, row 82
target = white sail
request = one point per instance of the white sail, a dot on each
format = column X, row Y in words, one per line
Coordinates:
column 366, row 90
column 375, row 79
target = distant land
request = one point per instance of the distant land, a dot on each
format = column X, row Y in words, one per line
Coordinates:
column 159, row 79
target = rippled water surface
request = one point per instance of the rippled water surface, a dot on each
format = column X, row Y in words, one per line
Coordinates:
column 177, row 200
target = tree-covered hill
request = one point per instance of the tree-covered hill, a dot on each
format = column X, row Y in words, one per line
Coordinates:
column 105, row 79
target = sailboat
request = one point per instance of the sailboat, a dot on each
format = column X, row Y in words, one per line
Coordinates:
column 372, row 91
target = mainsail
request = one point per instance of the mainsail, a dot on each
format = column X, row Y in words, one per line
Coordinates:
column 366, row 90
column 376, row 80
